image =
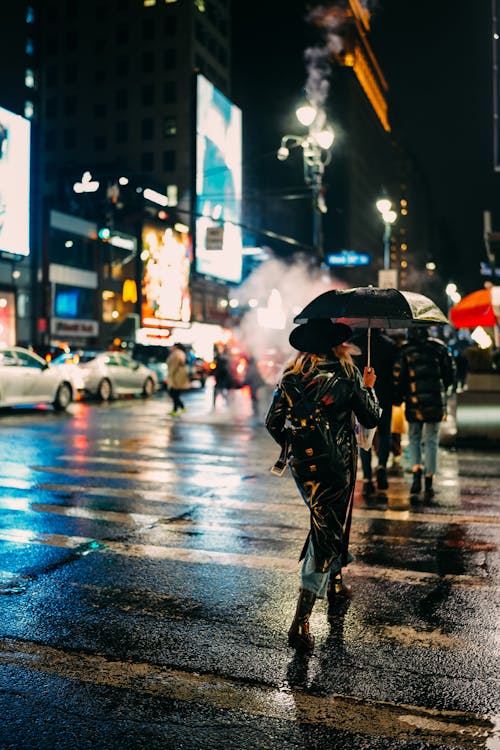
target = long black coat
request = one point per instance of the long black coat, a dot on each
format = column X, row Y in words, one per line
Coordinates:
column 330, row 506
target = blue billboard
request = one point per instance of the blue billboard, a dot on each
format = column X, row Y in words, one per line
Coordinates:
column 14, row 183
column 218, row 237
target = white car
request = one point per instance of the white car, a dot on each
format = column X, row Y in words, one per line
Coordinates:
column 26, row 378
column 106, row 375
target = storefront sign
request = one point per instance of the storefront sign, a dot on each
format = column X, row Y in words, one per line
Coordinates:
column 66, row 327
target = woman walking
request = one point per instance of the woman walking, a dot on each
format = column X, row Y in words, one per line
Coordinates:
column 323, row 373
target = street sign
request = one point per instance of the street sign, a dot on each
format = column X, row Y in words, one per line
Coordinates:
column 388, row 278
column 348, row 258
column 214, row 238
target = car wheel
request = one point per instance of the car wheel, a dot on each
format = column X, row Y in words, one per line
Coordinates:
column 64, row 396
column 148, row 388
column 104, row 390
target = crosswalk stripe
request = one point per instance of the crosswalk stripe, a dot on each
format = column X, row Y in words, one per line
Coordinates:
column 274, row 506
column 289, row 531
column 255, row 562
column 292, row 704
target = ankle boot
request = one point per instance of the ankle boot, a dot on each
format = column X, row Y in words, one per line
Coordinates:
column 299, row 636
column 428, row 491
column 416, row 486
column 337, row 592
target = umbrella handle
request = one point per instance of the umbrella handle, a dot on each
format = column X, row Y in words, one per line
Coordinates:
column 368, row 339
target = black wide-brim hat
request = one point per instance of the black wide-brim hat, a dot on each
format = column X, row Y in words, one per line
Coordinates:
column 319, row 336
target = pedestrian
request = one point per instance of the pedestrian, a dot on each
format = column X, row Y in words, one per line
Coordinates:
column 222, row 375
column 423, row 375
column 383, row 354
column 323, row 371
column 254, row 381
column 177, row 378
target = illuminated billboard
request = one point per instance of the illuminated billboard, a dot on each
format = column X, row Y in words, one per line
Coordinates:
column 166, row 259
column 218, row 250
column 14, row 183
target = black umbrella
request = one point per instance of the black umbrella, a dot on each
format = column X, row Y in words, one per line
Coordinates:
column 373, row 307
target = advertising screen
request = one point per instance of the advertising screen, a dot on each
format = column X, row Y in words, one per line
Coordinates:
column 166, row 259
column 218, row 250
column 14, row 183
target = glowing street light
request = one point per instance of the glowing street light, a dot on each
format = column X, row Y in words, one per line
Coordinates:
column 316, row 155
column 389, row 216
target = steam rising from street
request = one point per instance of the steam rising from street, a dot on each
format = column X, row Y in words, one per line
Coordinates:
column 282, row 290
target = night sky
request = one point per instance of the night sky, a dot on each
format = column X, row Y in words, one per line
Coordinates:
column 436, row 57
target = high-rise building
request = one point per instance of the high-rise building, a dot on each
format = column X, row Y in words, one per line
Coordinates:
column 18, row 220
column 116, row 114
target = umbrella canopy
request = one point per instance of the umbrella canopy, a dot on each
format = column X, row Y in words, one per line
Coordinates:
column 373, row 307
column 480, row 308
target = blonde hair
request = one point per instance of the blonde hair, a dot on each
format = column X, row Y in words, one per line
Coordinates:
column 304, row 362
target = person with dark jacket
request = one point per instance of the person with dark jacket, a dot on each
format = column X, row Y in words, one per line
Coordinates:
column 383, row 355
column 323, row 373
column 423, row 375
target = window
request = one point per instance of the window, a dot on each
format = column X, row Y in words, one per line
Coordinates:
column 100, row 110
column 30, row 14
column 70, row 73
column 121, row 132
column 100, row 142
column 70, row 105
column 147, row 128
column 69, row 138
column 147, row 161
column 121, row 99
column 169, row 92
column 148, row 28
column 169, row 126
column 149, row 3
column 168, row 161
column 71, row 41
column 50, row 140
column 122, row 65
column 148, row 62
column 147, row 95
column 29, row 109
column 52, row 44
column 51, row 107
column 121, row 33
column 170, row 26
column 30, row 47
column 51, row 75
column 100, row 77
column 169, row 59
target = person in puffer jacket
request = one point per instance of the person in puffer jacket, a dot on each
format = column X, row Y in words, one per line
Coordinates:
column 423, row 376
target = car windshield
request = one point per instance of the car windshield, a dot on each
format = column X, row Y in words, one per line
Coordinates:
column 75, row 358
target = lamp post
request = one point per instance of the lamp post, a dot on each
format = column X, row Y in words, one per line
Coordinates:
column 389, row 216
column 316, row 155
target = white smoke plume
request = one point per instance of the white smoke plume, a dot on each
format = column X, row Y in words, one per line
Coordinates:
column 330, row 20
column 282, row 290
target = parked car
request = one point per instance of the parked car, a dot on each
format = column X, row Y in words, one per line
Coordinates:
column 109, row 374
column 155, row 356
column 26, row 378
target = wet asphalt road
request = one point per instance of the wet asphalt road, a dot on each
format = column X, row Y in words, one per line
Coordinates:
column 148, row 572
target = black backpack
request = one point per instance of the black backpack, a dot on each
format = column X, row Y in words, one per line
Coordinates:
column 313, row 450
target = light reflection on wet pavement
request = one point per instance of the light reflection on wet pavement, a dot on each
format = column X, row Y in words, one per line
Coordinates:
column 156, row 558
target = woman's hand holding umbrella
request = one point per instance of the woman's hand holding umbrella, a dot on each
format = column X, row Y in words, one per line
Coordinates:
column 369, row 377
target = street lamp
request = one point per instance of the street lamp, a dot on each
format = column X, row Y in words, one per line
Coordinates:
column 389, row 216
column 316, row 155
